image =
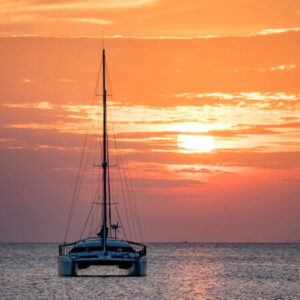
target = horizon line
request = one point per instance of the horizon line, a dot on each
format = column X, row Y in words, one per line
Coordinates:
column 178, row 242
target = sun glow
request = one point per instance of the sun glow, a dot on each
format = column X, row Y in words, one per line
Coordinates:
column 195, row 143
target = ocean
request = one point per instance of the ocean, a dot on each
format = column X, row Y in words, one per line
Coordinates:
column 175, row 271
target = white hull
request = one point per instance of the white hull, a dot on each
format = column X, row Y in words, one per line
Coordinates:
column 139, row 267
column 66, row 266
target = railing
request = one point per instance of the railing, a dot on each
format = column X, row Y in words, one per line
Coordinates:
column 64, row 249
column 142, row 252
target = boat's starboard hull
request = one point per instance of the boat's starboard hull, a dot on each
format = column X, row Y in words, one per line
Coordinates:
column 139, row 267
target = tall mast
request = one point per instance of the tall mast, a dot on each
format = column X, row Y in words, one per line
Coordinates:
column 104, row 161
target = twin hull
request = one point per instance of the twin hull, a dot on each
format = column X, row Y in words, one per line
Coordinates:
column 67, row 266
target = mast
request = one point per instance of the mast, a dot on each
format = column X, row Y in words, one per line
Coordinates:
column 104, row 159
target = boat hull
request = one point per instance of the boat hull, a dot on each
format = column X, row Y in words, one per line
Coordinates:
column 139, row 267
column 89, row 252
column 66, row 266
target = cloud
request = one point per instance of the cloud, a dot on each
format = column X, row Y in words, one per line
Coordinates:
column 67, row 80
column 84, row 13
column 34, row 6
column 242, row 96
column 145, row 19
column 274, row 68
column 89, row 21
column 172, row 37
column 37, row 105
column 150, row 183
column 258, row 122
column 234, row 158
column 278, row 30
column 6, row 140
column 263, row 32
column 271, row 31
column 281, row 68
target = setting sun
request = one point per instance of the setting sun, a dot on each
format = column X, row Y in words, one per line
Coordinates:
column 195, row 143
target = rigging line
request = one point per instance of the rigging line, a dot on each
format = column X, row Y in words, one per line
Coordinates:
column 91, row 223
column 122, row 186
column 75, row 190
column 110, row 180
column 112, row 129
column 93, row 187
column 79, row 179
column 138, row 219
column 127, row 186
column 86, row 221
column 129, row 192
column 95, row 225
column 80, row 183
column 121, row 223
column 99, row 196
column 121, row 180
column 109, row 194
column 125, row 204
column 122, row 190
column 96, row 198
column 133, row 199
column 135, row 210
column 73, row 201
column 109, row 87
column 132, row 196
column 108, row 157
column 131, row 216
column 129, row 203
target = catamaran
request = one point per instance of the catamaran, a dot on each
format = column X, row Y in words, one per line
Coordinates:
column 106, row 248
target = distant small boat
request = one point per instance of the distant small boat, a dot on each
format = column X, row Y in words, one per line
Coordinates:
column 105, row 248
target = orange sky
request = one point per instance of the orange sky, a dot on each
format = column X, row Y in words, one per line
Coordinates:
column 143, row 18
column 206, row 100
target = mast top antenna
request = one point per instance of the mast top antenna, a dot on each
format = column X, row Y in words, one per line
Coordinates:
column 102, row 39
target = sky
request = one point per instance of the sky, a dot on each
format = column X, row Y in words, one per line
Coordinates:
column 205, row 101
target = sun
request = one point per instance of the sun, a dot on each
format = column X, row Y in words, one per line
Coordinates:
column 195, row 143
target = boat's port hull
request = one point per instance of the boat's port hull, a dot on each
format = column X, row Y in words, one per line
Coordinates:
column 66, row 266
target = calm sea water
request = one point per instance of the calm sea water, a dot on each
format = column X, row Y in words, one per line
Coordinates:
column 175, row 271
